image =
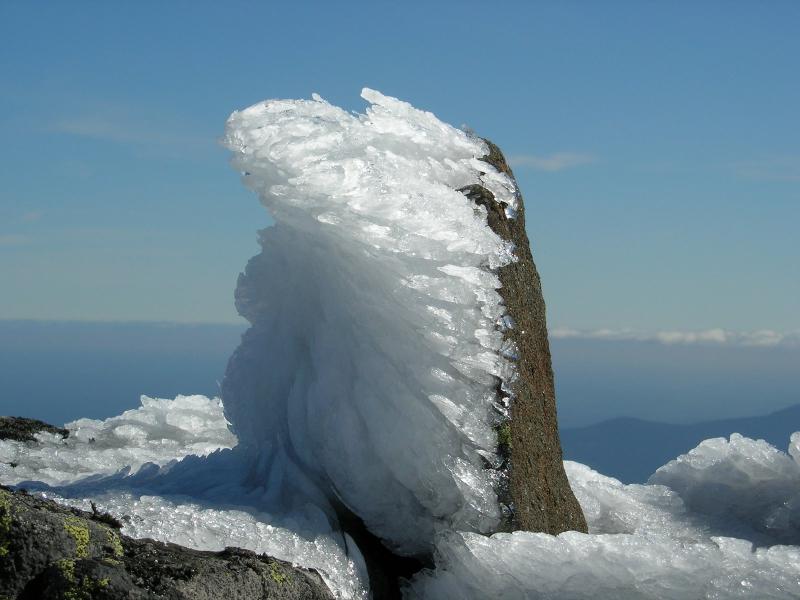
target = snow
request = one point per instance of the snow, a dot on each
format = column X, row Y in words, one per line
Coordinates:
column 647, row 541
column 307, row 539
column 368, row 379
column 114, row 462
column 745, row 487
column 158, row 432
column 575, row 566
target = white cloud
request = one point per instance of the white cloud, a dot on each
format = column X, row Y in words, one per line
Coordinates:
column 552, row 162
column 712, row 337
column 113, row 130
column 119, row 126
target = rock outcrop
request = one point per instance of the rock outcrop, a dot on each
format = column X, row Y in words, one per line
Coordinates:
column 21, row 429
column 59, row 553
column 539, row 491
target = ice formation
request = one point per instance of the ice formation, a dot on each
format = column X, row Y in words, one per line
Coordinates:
column 306, row 538
column 646, row 541
column 368, row 378
column 133, row 466
column 158, row 432
column 375, row 347
column 747, row 488
column 577, row 566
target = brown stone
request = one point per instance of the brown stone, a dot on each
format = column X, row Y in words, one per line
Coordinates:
column 539, row 491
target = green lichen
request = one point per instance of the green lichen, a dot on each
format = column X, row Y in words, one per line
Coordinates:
column 79, row 531
column 503, row 438
column 67, row 568
column 5, row 522
column 115, row 543
column 79, row 590
column 277, row 575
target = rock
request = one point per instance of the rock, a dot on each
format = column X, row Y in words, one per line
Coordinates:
column 21, row 429
column 539, row 491
column 55, row 552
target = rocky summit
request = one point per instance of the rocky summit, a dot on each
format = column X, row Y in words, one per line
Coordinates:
column 48, row 551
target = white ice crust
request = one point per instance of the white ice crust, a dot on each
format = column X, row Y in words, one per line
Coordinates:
column 727, row 479
column 114, row 463
column 368, row 378
column 158, row 432
column 645, row 541
column 648, row 541
column 375, row 349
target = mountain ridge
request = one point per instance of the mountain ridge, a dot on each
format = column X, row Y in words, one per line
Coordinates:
column 605, row 446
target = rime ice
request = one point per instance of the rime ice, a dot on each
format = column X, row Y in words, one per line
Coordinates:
column 158, row 432
column 748, row 487
column 647, row 541
column 376, row 343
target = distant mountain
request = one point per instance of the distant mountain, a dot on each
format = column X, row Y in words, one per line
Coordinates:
column 632, row 449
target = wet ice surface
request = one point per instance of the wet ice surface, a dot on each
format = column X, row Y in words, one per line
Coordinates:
column 368, row 378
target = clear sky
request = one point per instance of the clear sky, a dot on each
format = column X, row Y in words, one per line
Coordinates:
column 657, row 145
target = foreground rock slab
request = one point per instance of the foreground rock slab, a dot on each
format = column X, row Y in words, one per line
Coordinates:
column 59, row 553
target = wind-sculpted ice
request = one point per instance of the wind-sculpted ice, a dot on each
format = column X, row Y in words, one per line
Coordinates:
column 645, row 541
column 158, row 432
column 747, row 488
column 577, row 566
column 375, row 348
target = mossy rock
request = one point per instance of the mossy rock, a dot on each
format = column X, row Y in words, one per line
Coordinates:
column 60, row 553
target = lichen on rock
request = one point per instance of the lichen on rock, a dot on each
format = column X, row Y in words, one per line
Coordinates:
column 61, row 553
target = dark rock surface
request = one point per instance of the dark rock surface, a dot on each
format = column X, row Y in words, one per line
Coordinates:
column 48, row 551
column 539, row 490
column 21, row 429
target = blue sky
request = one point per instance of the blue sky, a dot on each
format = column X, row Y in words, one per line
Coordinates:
column 657, row 145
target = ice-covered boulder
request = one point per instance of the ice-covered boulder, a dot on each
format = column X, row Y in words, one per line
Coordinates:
column 396, row 318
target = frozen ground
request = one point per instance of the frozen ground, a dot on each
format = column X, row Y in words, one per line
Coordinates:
column 646, row 541
column 369, row 377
